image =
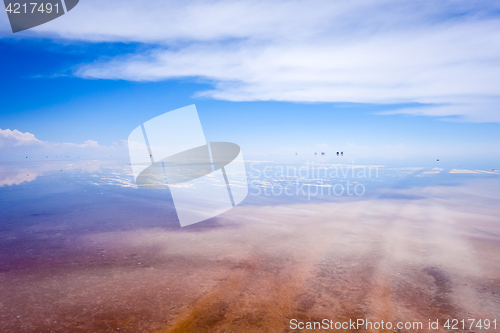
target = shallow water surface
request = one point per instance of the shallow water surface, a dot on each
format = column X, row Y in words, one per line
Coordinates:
column 82, row 249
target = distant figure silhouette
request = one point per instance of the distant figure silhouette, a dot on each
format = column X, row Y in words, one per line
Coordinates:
column 322, row 153
column 315, row 153
column 341, row 153
column 337, row 153
column 438, row 159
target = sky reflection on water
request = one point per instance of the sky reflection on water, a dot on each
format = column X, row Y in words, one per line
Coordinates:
column 83, row 229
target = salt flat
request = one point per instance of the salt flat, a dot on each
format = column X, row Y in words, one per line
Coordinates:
column 88, row 254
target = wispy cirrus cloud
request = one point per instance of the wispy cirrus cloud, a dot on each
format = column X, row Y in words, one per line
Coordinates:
column 444, row 54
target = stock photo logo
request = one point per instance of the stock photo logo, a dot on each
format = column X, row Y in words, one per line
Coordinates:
column 205, row 179
column 24, row 14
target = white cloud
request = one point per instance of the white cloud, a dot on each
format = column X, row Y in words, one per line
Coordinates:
column 14, row 143
column 443, row 53
column 9, row 138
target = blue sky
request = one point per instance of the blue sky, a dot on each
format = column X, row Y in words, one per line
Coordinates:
column 378, row 78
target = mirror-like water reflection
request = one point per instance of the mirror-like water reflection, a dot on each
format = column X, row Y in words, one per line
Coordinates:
column 82, row 249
